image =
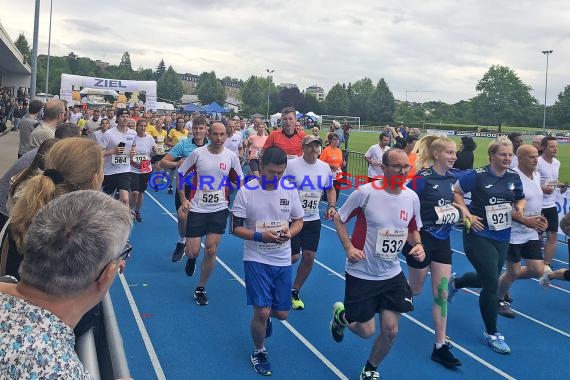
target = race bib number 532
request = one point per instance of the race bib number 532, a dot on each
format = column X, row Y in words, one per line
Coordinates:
column 389, row 243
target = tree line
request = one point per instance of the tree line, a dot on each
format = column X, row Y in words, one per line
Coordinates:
column 502, row 98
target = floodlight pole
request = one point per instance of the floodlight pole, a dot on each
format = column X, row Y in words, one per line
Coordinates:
column 547, row 53
column 269, row 72
column 34, row 57
column 49, row 50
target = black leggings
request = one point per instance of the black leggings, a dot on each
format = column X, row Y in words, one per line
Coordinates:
column 487, row 257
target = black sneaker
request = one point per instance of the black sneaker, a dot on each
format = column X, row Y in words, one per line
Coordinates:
column 201, row 296
column 260, row 363
column 369, row 375
column 138, row 217
column 190, row 267
column 170, row 190
column 178, row 253
column 505, row 310
column 444, row 356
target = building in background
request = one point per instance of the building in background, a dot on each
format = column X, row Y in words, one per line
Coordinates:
column 316, row 91
column 14, row 71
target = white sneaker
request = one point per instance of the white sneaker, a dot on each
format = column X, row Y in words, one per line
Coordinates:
column 544, row 280
column 547, row 269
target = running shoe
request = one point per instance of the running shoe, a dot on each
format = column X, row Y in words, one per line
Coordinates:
column 260, row 363
column 544, row 280
column 269, row 328
column 170, row 191
column 201, row 297
column 296, row 302
column 138, row 217
column 496, row 342
column 178, row 253
column 547, row 269
column 509, row 297
column 451, row 289
column 369, row 375
column 444, row 356
column 190, row 267
column 505, row 309
column 336, row 325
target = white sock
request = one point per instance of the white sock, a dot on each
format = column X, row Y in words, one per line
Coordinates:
column 182, row 240
column 258, row 350
column 438, row 345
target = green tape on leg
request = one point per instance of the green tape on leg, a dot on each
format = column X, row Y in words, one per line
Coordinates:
column 442, row 302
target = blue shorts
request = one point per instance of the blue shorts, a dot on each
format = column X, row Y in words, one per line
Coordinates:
column 268, row 285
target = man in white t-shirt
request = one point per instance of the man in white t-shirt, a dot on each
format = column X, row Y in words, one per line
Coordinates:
column 310, row 177
column 374, row 156
column 375, row 283
column 234, row 142
column 117, row 146
column 549, row 168
column 261, row 214
column 517, row 140
column 208, row 171
column 524, row 242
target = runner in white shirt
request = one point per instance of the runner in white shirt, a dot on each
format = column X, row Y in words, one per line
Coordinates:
column 141, row 166
column 310, row 176
column 209, row 170
column 374, row 156
column 524, row 242
column 98, row 135
column 117, row 144
column 549, row 168
column 261, row 214
column 234, row 142
column 374, row 280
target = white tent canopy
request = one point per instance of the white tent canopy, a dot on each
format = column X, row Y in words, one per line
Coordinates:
column 122, row 85
column 274, row 118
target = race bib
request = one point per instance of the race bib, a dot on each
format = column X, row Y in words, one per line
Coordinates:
column 291, row 156
column 389, row 243
column 143, row 161
column 262, row 226
column 160, row 149
column 446, row 214
column 310, row 201
column 120, row 159
column 498, row 216
column 256, row 153
column 210, row 198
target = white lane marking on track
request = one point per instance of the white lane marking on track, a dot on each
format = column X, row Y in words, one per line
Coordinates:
column 455, row 344
column 144, row 334
column 289, row 327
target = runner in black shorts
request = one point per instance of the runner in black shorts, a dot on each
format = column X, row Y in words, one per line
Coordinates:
column 375, row 283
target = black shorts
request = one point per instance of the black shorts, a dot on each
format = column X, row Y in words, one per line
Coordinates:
column 531, row 250
column 200, row 224
column 437, row 250
column 364, row 298
column 177, row 201
column 308, row 238
column 551, row 215
column 139, row 182
column 254, row 164
column 121, row 181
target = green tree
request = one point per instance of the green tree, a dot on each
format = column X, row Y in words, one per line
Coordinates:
column 561, row 107
column 253, row 96
column 503, row 97
column 312, row 104
column 209, row 89
column 381, row 103
column 292, row 97
column 126, row 62
column 160, row 69
column 359, row 93
column 169, row 86
column 337, row 101
column 23, row 46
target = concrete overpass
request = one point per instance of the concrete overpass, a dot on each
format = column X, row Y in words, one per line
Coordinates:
column 13, row 71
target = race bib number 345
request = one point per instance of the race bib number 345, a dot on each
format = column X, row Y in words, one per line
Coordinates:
column 310, row 201
column 389, row 243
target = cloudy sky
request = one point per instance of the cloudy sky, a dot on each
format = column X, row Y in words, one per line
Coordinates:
column 439, row 47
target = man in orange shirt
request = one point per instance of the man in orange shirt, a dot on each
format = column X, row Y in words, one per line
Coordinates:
column 288, row 138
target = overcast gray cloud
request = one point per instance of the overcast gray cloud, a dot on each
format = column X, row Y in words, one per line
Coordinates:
column 441, row 46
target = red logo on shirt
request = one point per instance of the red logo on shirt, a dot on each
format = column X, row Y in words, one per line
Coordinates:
column 222, row 166
column 404, row 215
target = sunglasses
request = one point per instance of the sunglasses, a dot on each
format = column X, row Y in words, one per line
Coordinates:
column 124, row 255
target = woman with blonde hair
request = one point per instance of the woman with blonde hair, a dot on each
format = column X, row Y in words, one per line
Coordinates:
column 72, row 164
column 496, row 196
column 433, row 184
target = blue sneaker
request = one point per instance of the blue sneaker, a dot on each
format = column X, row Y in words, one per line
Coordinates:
column 260, row 363
column 269, row 328
column 496, row 342
column 451, row 289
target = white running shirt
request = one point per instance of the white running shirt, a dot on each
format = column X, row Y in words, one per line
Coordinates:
column 376, row 153
column 533, row 196
column 117, row 163
column 234, row 142
column 548, row 175
column 143, row 149
column 211, row 178
column 310, row 180
column 381, row 229
column 264, row 210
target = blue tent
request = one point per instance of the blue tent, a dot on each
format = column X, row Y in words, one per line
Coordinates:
column 214, row 108
column 191, row 108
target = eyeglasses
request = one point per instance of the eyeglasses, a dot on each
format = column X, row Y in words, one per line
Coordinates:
column 124, row 255
column 399, row 167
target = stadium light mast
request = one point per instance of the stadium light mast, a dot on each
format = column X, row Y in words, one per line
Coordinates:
column 34, row 57
column 269, row 72
column 547, row 53
column 49, row 50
